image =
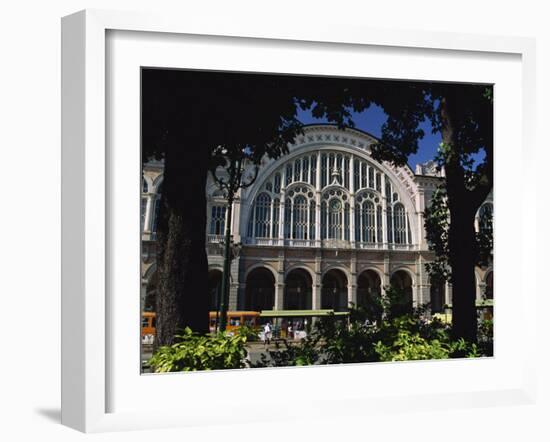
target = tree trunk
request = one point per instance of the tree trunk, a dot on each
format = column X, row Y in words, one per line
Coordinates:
column 462, row 260
column 462, row 256
column 182, row 266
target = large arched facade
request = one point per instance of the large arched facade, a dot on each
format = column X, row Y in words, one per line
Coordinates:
column 321, row 227
column 329, row 197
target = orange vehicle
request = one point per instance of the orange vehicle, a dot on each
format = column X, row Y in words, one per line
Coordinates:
column 236, row 319
column 148, row 326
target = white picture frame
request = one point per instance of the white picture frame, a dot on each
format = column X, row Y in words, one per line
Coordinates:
column 88, row 231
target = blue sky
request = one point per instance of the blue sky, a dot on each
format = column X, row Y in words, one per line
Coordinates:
column 371, row 121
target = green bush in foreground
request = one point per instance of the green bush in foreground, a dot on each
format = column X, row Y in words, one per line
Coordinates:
column 195, row 352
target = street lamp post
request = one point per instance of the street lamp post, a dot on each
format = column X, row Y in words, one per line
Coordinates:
column 232, row 161
column 231, row 251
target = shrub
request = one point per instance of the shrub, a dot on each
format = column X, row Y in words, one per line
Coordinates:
column 410, row 346
column 250, row 333
column 485, row 336
column 197, row 352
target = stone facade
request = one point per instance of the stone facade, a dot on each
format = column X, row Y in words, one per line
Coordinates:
column 325, row 220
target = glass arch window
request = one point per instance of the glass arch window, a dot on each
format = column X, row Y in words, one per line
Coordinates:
column 329, row 195
column 399, row 224
column 335, row 212
column 217, row 220
column 262, row 216
column 299, row 214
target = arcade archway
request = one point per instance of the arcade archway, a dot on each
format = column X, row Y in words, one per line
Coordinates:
column 260, row 290
column 369, row 292
column 401, row 283
column 334, row 293
column 297, row 290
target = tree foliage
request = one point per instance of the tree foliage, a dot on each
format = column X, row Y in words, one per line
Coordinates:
column 436, row 223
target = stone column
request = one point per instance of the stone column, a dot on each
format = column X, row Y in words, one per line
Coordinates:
column 422, row 282
column 316, row 296
column 236, row 218
column 352, row 294
column 386, row 281
column 384, row 213
column 318, row 201
column 148, row 214
column 279, row 294
column 233, row 296
column 448, row 293
column 282, row 219
column 352, row 221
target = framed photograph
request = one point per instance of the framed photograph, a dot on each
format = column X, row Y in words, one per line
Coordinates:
column 324, row 221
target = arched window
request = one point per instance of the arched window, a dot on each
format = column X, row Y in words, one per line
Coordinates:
column 305, row 169
column 313, row 180
column 367, row 222
column 312, row 217
column 288, row 174
column 335, row 211
column 399, row 224
column 389, row 192
column 356, row 166
column 289, row 196
column 324, row 170
column 363, row 175
column 371, row 177
column 345, row 172
column 299, row 215
column 323, row 220
column 389, row 224
column 217, row 220
column 346, row 221
column 276, row 211
column 297, row 170
column 379, row 223
column 277, row 185
column 262, row 216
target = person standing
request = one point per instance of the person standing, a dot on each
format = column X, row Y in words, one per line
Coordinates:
column 267, row 333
